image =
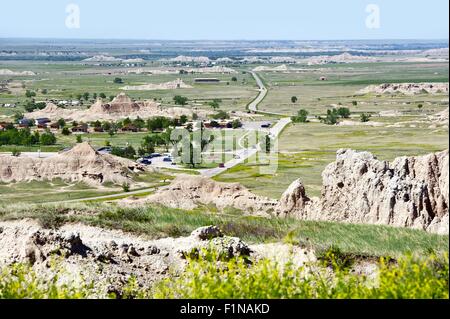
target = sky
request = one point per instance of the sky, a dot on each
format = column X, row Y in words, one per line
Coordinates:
column 225, row 20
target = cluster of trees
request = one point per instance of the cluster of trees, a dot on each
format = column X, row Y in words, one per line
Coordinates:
column 334, row 115
column 30, row 106
column 301, row 117
column 127, row 152
column 150, row 142
column 14, row 136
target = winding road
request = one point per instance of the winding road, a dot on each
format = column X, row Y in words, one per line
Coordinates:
column 244, row 154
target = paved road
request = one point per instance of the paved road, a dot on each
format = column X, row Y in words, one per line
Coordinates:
column 105, row 197
column 253, row 106
column 33, row 154
column 244, row 154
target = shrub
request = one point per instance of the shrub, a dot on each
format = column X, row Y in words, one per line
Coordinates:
column 364, row 117
column 20, row 281
column 205, row 278
column 180, row 100
column 15, row 153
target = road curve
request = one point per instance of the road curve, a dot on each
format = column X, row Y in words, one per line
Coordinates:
column 244, row 154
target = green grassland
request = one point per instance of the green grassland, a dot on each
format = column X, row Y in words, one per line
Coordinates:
column 65, row 80
column 159, row 222
column 37, row 192
column 344, row 81
column 306, row 149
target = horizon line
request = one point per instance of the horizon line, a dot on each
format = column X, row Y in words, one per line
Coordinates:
column 227, row 40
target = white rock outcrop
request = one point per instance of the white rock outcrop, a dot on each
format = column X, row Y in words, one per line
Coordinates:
column 190, row 192
column 358, row 188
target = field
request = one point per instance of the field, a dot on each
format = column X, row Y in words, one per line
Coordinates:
column 65, row 81
column 305, row 149
column 344, row 81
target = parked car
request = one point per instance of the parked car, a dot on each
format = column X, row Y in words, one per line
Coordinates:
column 222, row 165
column 153, row 155
column 167, row 159
column 265, row 125
column 105, row 150
column 146, row 162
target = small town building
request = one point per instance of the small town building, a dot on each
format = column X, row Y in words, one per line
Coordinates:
column 206, row 80
column 82, row 128
column 25, row 122
column 42, row 121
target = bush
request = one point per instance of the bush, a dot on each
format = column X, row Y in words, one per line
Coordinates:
column 364, row 117
column 20, row 281
column 205, row 278
column 15, row 153
column 180, row 100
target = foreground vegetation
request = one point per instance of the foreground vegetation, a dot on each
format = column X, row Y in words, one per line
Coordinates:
column 409, row 278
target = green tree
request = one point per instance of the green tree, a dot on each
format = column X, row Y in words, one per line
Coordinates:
column 302, row 116
column 86, row 96
column 61, row 123
column 118, row 81
column 102, row 95
column 294, row 99
column 234, row 79
column 183, row 119
column 236, row 124
column 30, row 94
column 180, row 100
column 65, row 131
column 79, row 139
column 331, row 118
column 18, row 116
column 364, row 117
column 214, row 105
column 47, row 138
column 343, row 112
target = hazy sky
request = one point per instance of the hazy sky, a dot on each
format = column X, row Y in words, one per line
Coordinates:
column 231, row 19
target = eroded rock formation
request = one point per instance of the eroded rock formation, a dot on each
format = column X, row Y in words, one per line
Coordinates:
column 358, row 188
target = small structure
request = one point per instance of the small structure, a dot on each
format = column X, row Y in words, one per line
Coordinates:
column 42, row 121
column 206, row 80
column 5, row 125
column 129, row 128
column 82, row 128
column 323, row 78
column 25, row 122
